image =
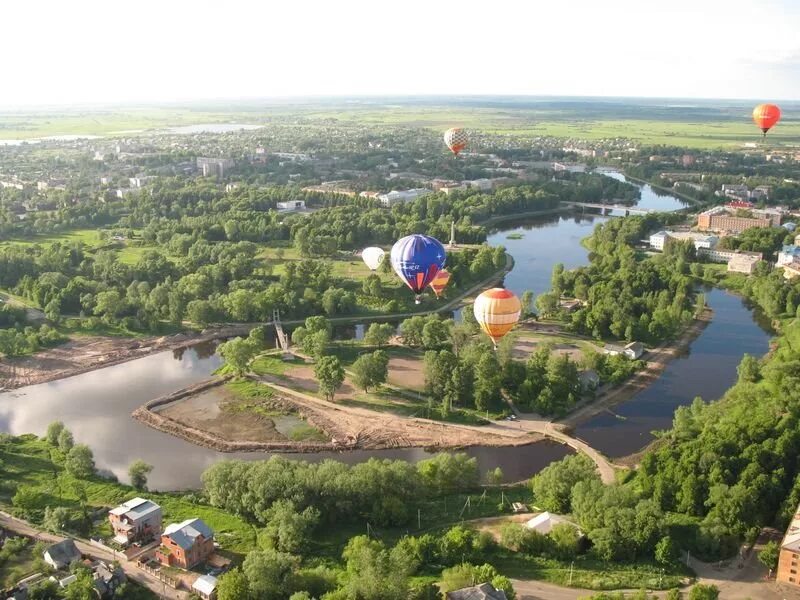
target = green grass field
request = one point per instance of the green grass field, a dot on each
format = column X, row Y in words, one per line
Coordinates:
column 706, row 126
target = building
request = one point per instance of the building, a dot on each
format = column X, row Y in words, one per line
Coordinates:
column 632, row 351
column 397, row 197
column 205, row 586
column 790, row 553
column 484, row 185
column 791, row 271
column 544, row 522
column 723, row 218
column 743, row 262
column 735, row 191
column 135, row 520
column 797, row 240
column 107, row 578
column 570, row 168
column 186, row 544
column 701, row 241
column 292, row 205
column 214, row 166
column 725, row 256
column 484, row 591
column 140, row 181
column 788, row 255
column 123, row 192
column 62, row 554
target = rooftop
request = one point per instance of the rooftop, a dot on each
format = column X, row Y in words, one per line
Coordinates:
column 185, row 533
column 205, row 584
column 791, row 541
column 135, row 508
column 485, row 591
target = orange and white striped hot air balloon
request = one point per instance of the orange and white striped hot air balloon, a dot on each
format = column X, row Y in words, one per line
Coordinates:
column 440, row 282
column 456, row 139
column 497, row 311
column 766, row 116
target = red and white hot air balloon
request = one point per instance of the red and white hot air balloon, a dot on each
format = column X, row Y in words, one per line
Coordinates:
column 456, row 139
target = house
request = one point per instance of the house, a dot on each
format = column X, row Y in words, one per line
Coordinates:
column 397, row 197
column 589, row 379
column 484, row 591
column 790, row 553
column 186, row 544
column 544, row 522
column 569, row 305
column 659, row 240
column 107, row 578
column 292, row 205
column 206, row 587
column 61, row 555
column 634, row 350
column 135, row 520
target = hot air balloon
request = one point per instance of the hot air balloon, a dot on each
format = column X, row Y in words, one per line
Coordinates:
column 497, row 311
column 417, row 259
column 440, row 282
column 765, row 116
column 456, row 139
column 372, row 257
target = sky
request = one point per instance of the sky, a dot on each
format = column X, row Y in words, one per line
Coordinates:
column 82, row 51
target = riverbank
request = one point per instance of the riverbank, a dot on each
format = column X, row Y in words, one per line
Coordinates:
column 85, row 354
column 658, row 360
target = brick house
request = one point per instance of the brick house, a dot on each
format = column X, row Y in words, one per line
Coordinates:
column 790, row 553
column 186, row 544
column 135, row 520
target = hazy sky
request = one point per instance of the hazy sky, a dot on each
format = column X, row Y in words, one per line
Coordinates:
column 119, row 50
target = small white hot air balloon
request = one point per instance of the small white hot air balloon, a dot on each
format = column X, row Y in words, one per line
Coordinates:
column 373, row 256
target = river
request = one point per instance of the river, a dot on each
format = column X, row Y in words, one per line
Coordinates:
column 96, row 406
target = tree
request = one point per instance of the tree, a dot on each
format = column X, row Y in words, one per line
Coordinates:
column 411, row 330
column 200, row 312
column 370, row 370
column 378, row 334
column 565, row 541
column 269, row 573
column 547, row 303
column 65, row 440
column 703, row 591
column 749, row 369
column 26, row 498
column 374, row 573
column 55, row 519
column 488, row 381
column 138, row 472
column 330, row 375
column 80, row 462
column 53, row 431
column 237, row 354
column 769, row 555
column 666, row 551
column 233, row 585
column 435, row 333
column 552, row 486
column 494, row 476
column 53, row 310
column 287, row 529
column 526, row 302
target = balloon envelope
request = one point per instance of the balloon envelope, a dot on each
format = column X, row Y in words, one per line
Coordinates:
column 456, row 139
column 372, row 257
column 417, row 259
column 765, row 116
column 497, row 311
column 440, row 282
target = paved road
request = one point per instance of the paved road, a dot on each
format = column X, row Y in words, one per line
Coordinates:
column 157, row 587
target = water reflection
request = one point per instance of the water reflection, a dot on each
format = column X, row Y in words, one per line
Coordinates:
column 708, row 370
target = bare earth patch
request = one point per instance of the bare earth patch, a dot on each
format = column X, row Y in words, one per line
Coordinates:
column 205, row 411
column 407, row 373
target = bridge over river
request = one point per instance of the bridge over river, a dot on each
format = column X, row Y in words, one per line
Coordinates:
column 606, row 208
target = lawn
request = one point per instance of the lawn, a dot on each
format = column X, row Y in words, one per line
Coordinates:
column 90, row 237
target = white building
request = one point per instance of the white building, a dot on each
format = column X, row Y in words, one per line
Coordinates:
column 206, row 587
column 292, row 205
column 725, row 256
column 788, row 255
column 544, row 522
column 397, row 197
column 701, row 240
column 483, row 185
column 571, row 168
column 140, row 181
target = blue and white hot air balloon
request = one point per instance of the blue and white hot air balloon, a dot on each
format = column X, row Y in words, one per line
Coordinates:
column 417, row 259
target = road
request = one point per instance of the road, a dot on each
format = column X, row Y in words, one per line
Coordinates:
column 21, row 527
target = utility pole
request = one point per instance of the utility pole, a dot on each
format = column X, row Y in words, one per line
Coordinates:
column 419, row 518
column 571, row 566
